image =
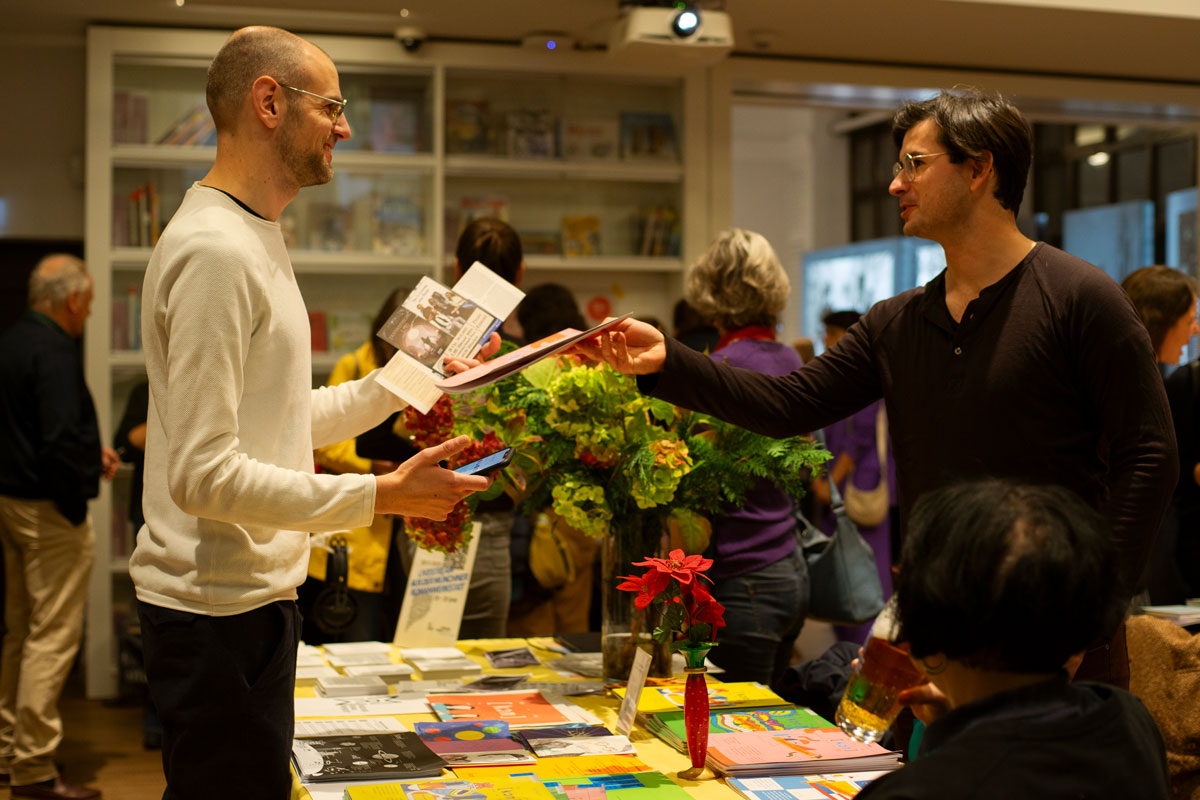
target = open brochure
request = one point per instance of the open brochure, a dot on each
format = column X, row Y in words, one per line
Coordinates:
column 435, row 322
column 517, row 360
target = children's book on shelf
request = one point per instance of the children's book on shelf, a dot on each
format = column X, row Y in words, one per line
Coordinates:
column 130, row 117
column 397, row 124
column 468, row 126
column 136, row 217
column 502, row 366
column 434, row 323
column 398, row 227
column 800, row 751
column 530, row 133
column 519, row 709
column 364, row 757
column 194, row 127
column 541, row 243
column 672, row 729
column 590, row 140
column 648, row 136
column 330, row 227
column 656, row 231
column 581, row 235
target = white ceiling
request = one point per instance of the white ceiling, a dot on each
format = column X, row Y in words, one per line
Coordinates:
column 1020, row 35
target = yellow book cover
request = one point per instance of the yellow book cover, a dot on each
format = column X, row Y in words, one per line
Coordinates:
column 720, row 695
column 560, row 767
column 501, row 788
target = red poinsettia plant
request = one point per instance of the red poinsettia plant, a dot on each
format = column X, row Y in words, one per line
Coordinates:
column 689, row 615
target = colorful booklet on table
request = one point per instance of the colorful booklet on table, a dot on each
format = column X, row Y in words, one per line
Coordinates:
column 518, row 709
column 794, row 787
column 502, row 366
column 803, row 751
column 631, row 786
column 364, row 757
column 482, row 789
column 565, row 767
column 671, row 728
column 720, row 695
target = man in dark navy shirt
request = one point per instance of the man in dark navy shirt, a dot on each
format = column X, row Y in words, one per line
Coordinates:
column 52, row 465
column 1019, row 361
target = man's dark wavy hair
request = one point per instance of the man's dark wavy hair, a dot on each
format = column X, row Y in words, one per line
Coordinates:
column 972, row 122
column 1008, row 577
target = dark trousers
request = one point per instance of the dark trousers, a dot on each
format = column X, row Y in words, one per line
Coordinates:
column 224, row 689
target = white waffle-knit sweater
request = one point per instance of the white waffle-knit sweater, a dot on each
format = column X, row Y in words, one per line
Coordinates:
column 230, row 494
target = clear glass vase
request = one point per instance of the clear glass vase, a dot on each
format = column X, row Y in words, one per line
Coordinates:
column 625, row 628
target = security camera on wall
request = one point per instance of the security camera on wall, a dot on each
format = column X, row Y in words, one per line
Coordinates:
column 410, row 37
column 698, row 35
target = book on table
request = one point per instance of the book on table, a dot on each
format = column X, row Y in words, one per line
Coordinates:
column 796, row 787
column 672, row 729
column 519, row 709
column 364, row 757
column 736, row 694
column 500, row 788
column 800, row 751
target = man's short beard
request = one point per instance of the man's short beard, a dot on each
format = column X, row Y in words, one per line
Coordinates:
column 306, row 169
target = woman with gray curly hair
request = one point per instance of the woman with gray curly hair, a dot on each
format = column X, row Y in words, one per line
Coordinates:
column 758, row 572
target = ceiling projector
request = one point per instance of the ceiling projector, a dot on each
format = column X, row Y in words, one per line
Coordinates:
column 697, row 36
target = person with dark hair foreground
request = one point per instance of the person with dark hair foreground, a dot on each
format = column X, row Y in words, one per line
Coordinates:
column 1000, row 586
column 1018, row 361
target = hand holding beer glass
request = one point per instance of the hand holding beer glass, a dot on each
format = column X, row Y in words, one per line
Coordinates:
column 871, row 701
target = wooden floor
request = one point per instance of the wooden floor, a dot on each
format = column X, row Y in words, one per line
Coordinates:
column 102, row 748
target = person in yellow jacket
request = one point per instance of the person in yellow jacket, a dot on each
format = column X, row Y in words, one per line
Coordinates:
column 372, row 571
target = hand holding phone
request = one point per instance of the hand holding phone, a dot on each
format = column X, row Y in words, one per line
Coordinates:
column 488, row 464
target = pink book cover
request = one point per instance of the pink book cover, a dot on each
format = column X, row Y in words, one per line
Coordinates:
column 798, row 745
column 503, row 366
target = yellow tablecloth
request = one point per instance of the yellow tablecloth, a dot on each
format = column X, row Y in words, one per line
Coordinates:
column 650, row 748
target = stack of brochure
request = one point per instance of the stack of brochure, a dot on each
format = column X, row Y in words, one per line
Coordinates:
column 802, row 751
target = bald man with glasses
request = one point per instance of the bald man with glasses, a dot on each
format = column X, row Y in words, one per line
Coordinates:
column 230, row 495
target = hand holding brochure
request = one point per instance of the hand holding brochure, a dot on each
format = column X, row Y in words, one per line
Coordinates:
column 505, row 365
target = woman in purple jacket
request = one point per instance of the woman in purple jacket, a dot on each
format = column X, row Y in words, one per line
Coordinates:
column 760, row 577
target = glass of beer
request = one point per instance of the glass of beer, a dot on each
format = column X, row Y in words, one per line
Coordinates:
column 869, row 705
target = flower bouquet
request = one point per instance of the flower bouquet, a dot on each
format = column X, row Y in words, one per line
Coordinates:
column 628, row 469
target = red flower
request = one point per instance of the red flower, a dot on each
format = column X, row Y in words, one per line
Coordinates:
column 647, row 586
column 678, row 566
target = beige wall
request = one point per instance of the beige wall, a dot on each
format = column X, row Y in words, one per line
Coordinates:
column 41, row 183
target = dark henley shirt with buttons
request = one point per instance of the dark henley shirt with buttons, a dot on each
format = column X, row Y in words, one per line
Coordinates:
column 1049, row 378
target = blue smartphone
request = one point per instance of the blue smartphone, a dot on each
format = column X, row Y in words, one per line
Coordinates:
column 489, row 463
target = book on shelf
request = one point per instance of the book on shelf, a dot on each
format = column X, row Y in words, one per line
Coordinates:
column 656, row 231
column 318, row 330
column 397, row 124
column 541, row 243
column 648, row 136
column 580, row 235
column 136, row 219
column 530, row 133
column 502, row 366
column 468, row 126
column 393, row 756
column 799, row 751
column 398, row 227
column 130, row 117
column 330, row 226
column 434, row 323
column 672, row 729
column 796, row 787
column 193, row 127
column 590, row 140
